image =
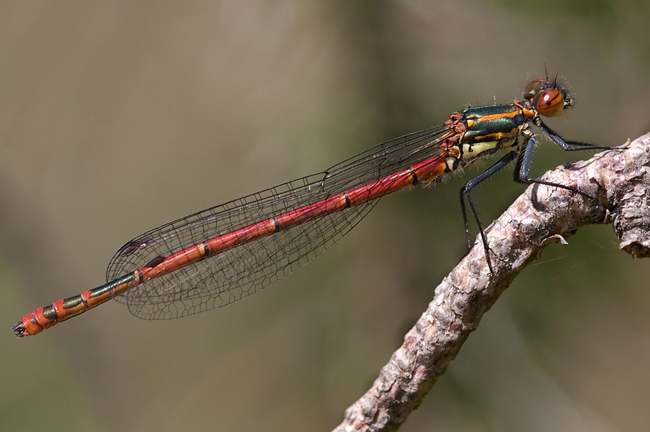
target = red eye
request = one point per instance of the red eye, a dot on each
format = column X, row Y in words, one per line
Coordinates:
column 550, row 102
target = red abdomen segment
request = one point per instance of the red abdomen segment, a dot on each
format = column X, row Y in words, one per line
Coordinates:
column 46, row 317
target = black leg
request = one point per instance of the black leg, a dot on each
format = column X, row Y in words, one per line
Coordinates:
column 523, row 162
column 524, row 159
column 571, row 145
column 465, row 192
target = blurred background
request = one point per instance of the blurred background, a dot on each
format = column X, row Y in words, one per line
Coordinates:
column 116, row 117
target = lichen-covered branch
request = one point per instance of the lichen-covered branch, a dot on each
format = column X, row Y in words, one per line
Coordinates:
column 619, row 182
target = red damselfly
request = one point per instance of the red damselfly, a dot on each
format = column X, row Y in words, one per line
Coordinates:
column 225, row 253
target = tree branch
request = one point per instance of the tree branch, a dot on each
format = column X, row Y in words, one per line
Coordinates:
column 619, row 180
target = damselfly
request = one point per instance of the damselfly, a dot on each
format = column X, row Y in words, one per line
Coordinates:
column 225, row 253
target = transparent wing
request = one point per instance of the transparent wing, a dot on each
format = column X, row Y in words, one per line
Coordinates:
column 248, row 268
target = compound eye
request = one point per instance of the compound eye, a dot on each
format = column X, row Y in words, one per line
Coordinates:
column 533, row 88
column 550, row 102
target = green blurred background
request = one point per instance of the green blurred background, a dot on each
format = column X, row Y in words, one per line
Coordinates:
column 118, row 116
